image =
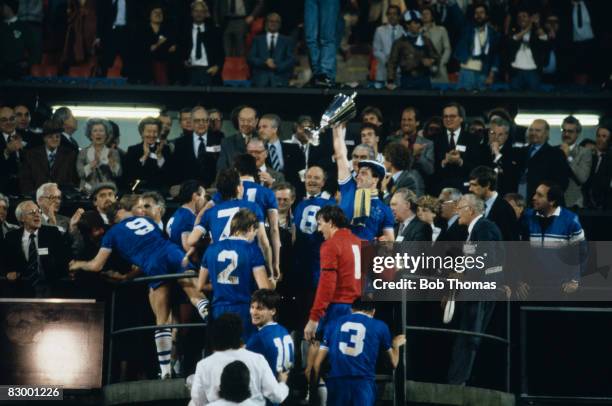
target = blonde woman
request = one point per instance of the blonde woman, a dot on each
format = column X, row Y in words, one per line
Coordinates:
column 428, row 208
column 97, row 163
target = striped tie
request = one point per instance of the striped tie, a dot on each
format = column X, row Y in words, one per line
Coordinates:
column 274, row 158
column 51, row 159
column 32, row 264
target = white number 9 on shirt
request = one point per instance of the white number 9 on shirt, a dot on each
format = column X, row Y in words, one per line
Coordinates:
column 140, row 226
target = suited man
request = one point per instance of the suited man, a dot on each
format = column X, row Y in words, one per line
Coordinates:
column 540, row 161
column 272, row 56
column 39, row 254
column 282, row 157
column 421, row 147
column 408, row 226
column 475, row 315
column 200, row 48
column 483, row 183
column 579, row 159
column 451, row 229
column 64, row 118
column 456, row 151
column 398, row 161
column 196, row 154
column 50, row 162
column 5, row 226
column 23, row 119
column 268, row 177
column 12, row 151
column 598, row 189
column 49, row 199
column 235, row 17
column 503, row 157
column 236, row 144
column 147, row 161
column 114, row 19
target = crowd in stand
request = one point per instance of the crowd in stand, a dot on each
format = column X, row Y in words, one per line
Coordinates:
column 203, row 194
column 523, row 44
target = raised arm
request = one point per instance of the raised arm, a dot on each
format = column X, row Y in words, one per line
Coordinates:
column 95, row 265
column 340, row 152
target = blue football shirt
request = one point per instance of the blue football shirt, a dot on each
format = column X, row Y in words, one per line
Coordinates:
column 366, row 228
column 255, row 193
column 275, row 344
column 181, row 222
column 353, row 343
column 138, row 240
column 230, row 264
column 217, row 219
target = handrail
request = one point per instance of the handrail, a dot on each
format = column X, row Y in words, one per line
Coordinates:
column 142, row 279
column 457, row 331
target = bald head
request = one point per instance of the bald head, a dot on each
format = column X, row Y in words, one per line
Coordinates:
column 538, row 132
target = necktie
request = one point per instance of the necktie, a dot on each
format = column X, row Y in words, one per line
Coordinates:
column 393, row 34
column 532, row 151
column 599, row 158
column 32, row 265
column 390, row 185
column 198, row 44
column 274, row 157
column 579, row 6
column 452, row 143
column 272, row 44
column 401, row 228
column 201, row 147
column 51, row 159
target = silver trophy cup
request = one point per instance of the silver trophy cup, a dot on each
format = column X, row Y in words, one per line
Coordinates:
column 341, row 109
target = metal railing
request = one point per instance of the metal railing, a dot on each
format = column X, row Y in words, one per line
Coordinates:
column 113, row 332
column 401, row 391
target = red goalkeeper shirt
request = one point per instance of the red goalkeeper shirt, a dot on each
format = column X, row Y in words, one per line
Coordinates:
column 340, row 280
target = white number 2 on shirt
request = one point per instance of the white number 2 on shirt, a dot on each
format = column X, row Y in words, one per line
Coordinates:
column 225, row 276
column 356, row 338
column 229, row 213
column 140, row 226
column 284, row 350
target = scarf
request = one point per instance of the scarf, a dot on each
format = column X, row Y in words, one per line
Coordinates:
column 478, row 47
column 363, row 202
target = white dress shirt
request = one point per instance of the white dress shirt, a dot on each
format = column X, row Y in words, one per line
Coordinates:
column 471, row 226
column 269, row 37
column 120, row 18
column 263, row 385
column 489, row 203
column 203, row 61
column 585, row 32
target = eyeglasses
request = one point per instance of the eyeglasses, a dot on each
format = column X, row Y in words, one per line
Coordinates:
column 199, row 120
column 7, row 119
column 33, row 212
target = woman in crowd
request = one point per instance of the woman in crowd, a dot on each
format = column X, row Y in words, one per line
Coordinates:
column 97, row 163
column 428, row 208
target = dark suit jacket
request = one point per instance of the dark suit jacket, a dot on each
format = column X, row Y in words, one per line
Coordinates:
column 539, row 49
column 417, row 230
column 283, row 57
column 53, row 266
column 597, row 190
column 293, row 161
column 547, row 164
column 456, row 232
column 9, row 168
column 35, row 169
column 213, row 44
column 409, row 178
column 488, row 238
column 105, row 15
column 508, row 169
column 150, row 174
column 230, row 147
column 73, row 146
column 185, row 164
column 504, row 217
column 453, row 175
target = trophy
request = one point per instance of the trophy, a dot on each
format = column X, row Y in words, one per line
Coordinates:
column 341, row 109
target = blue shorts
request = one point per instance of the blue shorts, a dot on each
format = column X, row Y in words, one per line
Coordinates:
column 242, row 310
column 168, row 261
column 350, row 391
column 334, row 311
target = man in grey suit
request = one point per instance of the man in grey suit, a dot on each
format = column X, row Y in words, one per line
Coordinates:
column 49, row 198
column 579, row 159
column 5, row 226
column 398, row 163
column 272, row 56
column 408, row 227
column 236, row 144
column 422, row 148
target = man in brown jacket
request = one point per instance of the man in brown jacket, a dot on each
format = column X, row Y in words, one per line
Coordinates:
column 49, row 162
column 415, row 55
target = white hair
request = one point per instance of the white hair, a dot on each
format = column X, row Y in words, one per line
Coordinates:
column 43, row 188
column 474, row 202
column 19, row 209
